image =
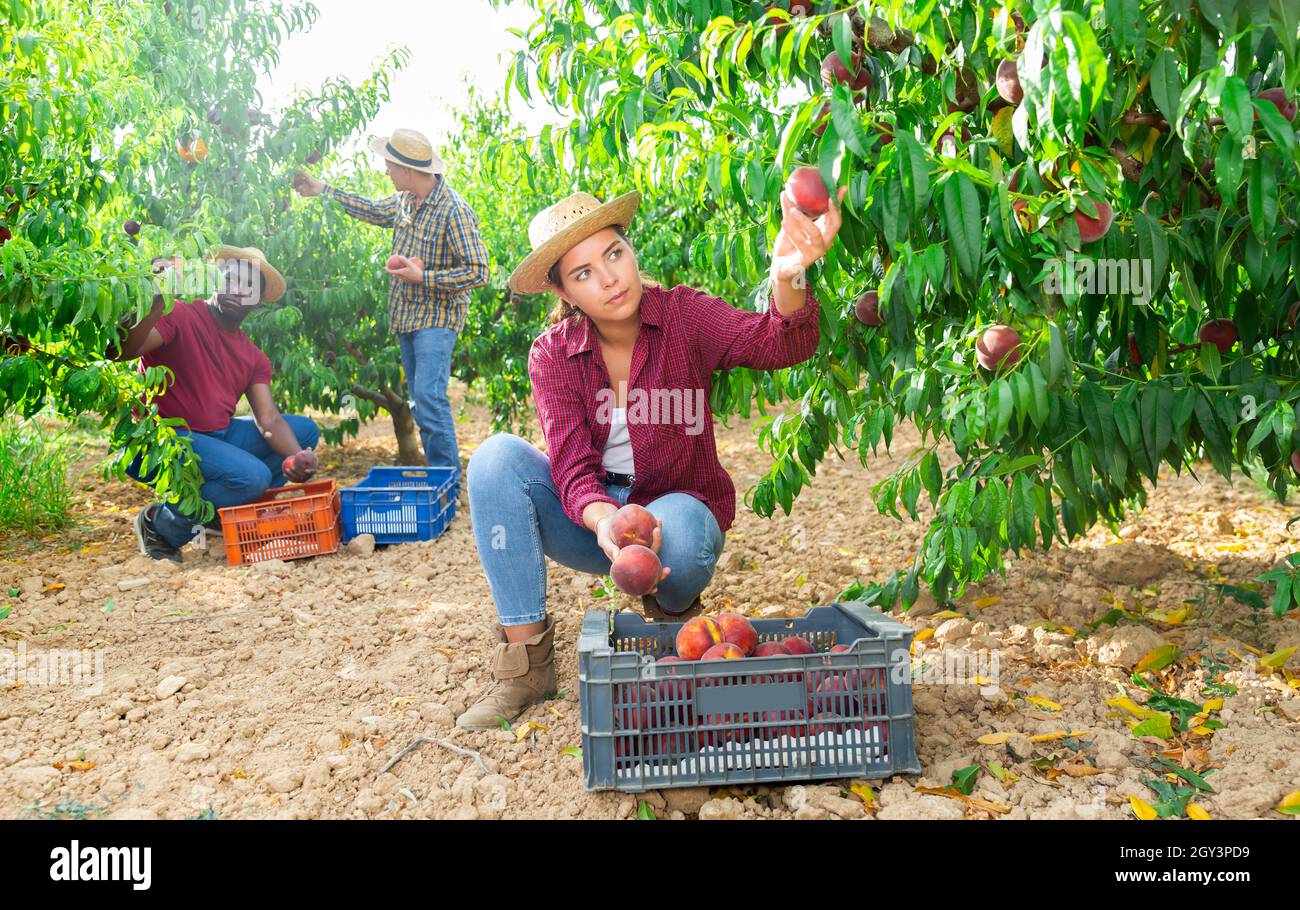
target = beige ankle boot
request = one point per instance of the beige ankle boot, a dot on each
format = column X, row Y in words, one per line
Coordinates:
column 522, row 671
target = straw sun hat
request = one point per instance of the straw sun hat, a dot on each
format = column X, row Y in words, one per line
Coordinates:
column 558, row 228
column 408, row 148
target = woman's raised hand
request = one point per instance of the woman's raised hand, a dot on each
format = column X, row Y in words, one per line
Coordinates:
column 801, row 240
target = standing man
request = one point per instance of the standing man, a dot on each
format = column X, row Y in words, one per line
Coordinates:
column 213, row 365
column 436, row 235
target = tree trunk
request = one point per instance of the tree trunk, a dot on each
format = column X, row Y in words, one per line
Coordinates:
column 410, row 450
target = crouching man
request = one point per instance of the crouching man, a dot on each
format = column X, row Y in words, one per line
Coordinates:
column 214, row 364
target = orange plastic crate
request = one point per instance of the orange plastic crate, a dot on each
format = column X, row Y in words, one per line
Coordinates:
column 283, row 523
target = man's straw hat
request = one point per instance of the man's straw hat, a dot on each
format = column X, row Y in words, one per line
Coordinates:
column 559, row 228
column 408, row 148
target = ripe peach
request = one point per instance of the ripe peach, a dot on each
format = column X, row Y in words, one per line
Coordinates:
column 1008, row 80
column 1222, row 333
column 826, row 722
column 967, row 92
column 739, row 631
column 1134, row 354
column 838, row 649
column 1091, row 229
column 867, row 309
column 396, row 262
column 636, row 569
column 834, row 71
column 696, row 636
column 1285, row 106
column 998, row 346
column 131, row 227
column 1295, row 462
column 784, row 717
column 796, row 645
column 675, row 684
column 723, row 651
column 823, row 117
column 5, row 235
column 769, row 649
column 809, row 192
column 632, row 524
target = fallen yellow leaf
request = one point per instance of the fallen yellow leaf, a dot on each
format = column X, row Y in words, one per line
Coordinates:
column 1290, row 801
column 1203, row 731
column 528, row 728
column 1277, row 658
column 865, row 793
column 923, row 635
column 57, row 586
column 1176, row 617
column 1214, row 704
column 1129, row 705
column 81, row 765
column 1157, row 658
column 948, row 614
column 1045, row 703
column 1059, row 734
column 1082, row 770
column 446, row 651
column 987, row 601
column 993, row 739
column 555, row 712
column 1142, row 810
column 1196, row 812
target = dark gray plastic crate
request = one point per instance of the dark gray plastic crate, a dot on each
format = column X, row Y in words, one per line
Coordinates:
column 783, row 719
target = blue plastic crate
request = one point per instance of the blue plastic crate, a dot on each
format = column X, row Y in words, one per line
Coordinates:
column 399, row 505
column 758, row 720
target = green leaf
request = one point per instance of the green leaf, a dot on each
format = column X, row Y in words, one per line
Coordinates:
column 644, row 812
column 1166, row 84
column 1278, row 127
column 963, row 779
column 844, row 116
column 1261, row 196
column 1160, row 725
column 932, row 476
column 1238, row 112
column 963, row 221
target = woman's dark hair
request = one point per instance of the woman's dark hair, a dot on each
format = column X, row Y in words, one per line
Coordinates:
column 563, row 309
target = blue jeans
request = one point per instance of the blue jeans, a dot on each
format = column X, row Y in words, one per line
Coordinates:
column 426, row 360
column 518, row 520
column 237, row 465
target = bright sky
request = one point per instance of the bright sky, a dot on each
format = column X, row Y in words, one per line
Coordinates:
column 448, row 40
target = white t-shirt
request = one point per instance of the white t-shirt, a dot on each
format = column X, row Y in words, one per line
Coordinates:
column 618, row 448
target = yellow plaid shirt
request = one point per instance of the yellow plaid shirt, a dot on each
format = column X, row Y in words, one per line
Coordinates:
column 443, row 232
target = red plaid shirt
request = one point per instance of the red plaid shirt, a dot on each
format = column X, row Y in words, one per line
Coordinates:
column 685, row 335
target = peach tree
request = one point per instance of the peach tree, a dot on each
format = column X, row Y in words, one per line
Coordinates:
column 134, row 130
column 1070, row 245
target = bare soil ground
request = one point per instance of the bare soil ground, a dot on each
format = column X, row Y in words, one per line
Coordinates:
column 282, row 690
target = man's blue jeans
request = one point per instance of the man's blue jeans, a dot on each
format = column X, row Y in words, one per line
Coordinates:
column 518, row 520
column 426, row 360
column 238, row 466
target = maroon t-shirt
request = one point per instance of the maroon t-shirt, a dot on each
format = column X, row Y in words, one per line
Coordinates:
column 213, row 368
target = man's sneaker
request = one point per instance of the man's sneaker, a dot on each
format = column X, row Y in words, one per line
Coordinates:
column 152, row 543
